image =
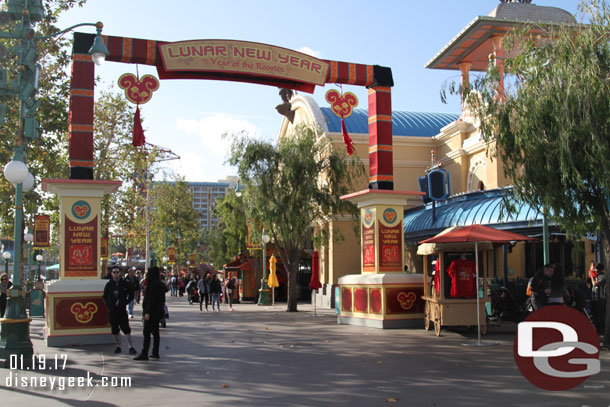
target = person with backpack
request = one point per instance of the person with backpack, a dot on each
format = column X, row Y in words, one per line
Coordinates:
column 173, row 284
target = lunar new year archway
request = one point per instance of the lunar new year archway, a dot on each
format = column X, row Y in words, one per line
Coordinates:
column 231, row 61
column 78, row 291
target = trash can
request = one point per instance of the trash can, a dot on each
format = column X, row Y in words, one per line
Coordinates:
column 37, row 303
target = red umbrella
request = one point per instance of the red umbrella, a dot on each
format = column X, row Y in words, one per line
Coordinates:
column 477, row 234
column 314, row 284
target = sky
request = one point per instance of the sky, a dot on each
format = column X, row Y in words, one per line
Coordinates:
column 189, row 116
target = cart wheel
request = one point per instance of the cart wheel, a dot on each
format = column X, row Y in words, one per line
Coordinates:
column 437, row 320
column 437, row 328
column 427, row 317
column 484, row 329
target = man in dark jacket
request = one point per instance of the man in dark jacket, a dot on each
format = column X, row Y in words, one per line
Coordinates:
column 153, row 307
column 117, row 294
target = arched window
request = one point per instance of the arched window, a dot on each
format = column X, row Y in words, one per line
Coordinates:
column 476, row 176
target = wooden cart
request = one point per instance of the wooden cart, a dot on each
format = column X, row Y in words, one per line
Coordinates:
column 443, row 310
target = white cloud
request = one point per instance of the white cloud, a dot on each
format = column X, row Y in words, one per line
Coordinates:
column 204, row 161
column 309, row 51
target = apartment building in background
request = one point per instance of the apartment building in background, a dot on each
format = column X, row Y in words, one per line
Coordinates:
column 205, row 195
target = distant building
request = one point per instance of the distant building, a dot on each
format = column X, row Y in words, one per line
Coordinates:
column 205, row 195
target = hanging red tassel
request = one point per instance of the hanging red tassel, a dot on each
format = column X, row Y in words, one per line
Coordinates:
column 349, row 144
column 138, row 131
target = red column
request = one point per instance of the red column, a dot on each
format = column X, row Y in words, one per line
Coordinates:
column 381, row 172
column 81, row 117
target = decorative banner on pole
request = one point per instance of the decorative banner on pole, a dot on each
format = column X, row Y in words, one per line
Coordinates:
column 171, row 254
column 138, row 91
column 343, row 105
column 42, row 228
column 104, row 247
column 192, row 260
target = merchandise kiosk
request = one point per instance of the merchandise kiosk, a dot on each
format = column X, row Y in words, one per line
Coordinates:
column 450, row 293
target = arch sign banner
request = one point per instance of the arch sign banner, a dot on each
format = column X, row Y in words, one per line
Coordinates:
column 242, row 57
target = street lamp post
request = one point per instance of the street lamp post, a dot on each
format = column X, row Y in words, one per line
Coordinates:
column 15, row 328
column 264, row 298
column 39, row 260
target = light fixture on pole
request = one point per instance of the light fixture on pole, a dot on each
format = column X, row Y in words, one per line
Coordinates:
column 98, row 50
column 264, row 298
column 39, row 260
column 15, row 171
column 28, row 183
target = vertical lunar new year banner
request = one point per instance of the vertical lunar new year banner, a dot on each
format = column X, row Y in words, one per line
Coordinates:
column 390, row 240
column 368, row 240
column 80, row 227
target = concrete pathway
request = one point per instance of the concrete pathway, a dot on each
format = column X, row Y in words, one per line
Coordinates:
column 263, row 356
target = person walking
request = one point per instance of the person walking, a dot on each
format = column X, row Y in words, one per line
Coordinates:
column 153, row 308
column 598, row 299
column 541, row 286
column 215, row 290
column 190, row 287
column 229, row 288
column 203, row 285
column 134, row 282
column 117, row 294
column 4, row 286
column 173, row 281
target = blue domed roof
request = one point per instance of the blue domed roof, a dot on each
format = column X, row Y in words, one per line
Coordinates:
column 416, row 124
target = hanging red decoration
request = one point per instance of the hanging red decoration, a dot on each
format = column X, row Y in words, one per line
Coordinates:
column 343, row 105
column 138, row 131
column 139, row 91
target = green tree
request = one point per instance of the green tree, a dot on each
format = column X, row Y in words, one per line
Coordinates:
column 552, row 125
column 229, row 238
column 47, row 155
column 290, row 185
column 551, row 128
column 174, row 222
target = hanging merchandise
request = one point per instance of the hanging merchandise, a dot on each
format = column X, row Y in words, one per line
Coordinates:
column 343, row 105
column 139, row 91
column 463, row 274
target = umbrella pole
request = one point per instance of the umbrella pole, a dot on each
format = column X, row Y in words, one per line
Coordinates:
column 476, row 254
column 273, row 296
column 314, row 303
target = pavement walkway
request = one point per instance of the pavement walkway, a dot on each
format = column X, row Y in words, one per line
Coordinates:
column 264, row 356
